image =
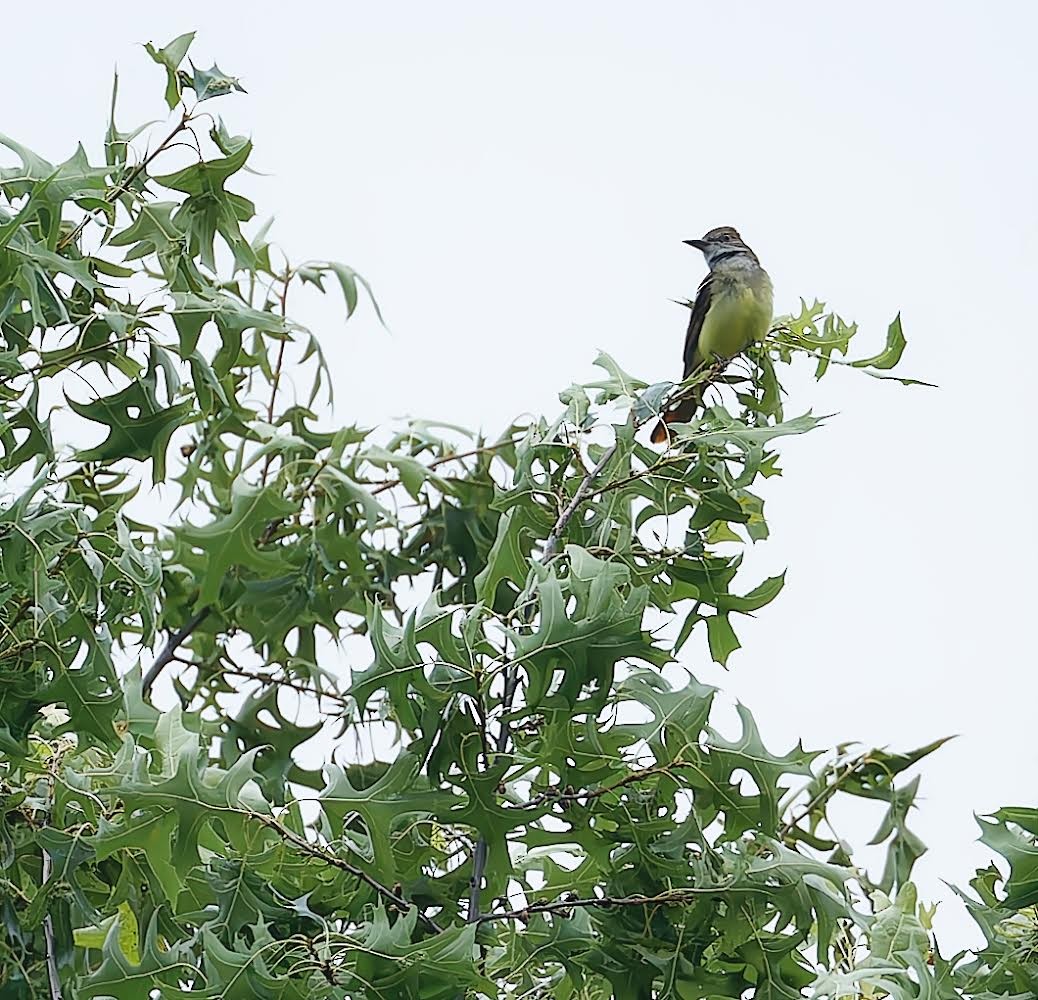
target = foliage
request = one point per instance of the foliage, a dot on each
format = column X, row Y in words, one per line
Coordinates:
column 550, row 810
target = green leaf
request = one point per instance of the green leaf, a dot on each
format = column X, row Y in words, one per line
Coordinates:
column 722, row 638
column 897, row 928
column 509, row 557
column 392, row 801
column 213, row 82
column 619, row 383
column 170, row 57
column 128, row 937
column 741, row 435
column 650, row 402
column 1019, row 849
column 348, row 281
column 210, row 209
column 117, row 976
column 761, row 595
column 139, row 425
column 749, row 753
column 234, row 540
column 891, row 354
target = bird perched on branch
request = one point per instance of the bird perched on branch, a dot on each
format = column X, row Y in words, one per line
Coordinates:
column 731, row 311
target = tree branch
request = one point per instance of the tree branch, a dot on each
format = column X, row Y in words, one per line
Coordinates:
column 826, row 793
column 53, row 979
column 397, row 901
column 672, row 897
column 583, row 491
column 278, row 365
column 124, row 186
column 282, row 682
column 168, row 651
column 453, row 457
column 479, row 857
column 552, row 795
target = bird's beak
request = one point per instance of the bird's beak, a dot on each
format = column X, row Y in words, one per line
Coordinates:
column 698, row 244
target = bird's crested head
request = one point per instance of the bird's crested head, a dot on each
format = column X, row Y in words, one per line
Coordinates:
column 720, row 244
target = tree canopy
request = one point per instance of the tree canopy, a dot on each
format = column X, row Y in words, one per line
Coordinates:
column 521, row 790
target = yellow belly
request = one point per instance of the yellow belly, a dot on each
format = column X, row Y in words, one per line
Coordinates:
column 737, row 318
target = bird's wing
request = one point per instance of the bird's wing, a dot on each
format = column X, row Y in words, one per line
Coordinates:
column 695, row 325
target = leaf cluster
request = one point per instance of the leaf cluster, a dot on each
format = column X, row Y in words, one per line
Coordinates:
column 540, row 800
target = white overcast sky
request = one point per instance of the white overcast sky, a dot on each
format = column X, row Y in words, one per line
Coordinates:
column 516, row 180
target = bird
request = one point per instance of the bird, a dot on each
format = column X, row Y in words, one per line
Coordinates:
column 731, row 311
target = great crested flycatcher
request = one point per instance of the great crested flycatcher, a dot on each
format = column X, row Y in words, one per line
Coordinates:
column 732, row 310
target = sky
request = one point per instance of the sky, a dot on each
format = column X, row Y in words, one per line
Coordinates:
column 516, row 181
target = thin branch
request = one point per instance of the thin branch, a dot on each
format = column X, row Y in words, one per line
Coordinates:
column 169, row 650
column 479, row 865
column 65, row 362
column 826, row 793
column 479, row 858
column 672, row 897
column 124, row 186
column 582, row 493
column 308, row 485
column 53, row 980
column 283, row 682
column 485, row 450
column 397, row 901
column 648, row 472
column 47, row 869
column 586, row 794
column 275, row 381
column 278, row 365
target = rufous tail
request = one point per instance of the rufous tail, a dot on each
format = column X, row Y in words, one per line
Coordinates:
column 680, row 414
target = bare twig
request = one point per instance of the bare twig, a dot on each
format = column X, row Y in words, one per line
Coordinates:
column 479, row 865
column 647, row 473
column 169, row 650
column 278, row 365
column 480, row 854
column 47, row 870
column 78, row 356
